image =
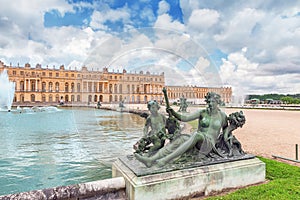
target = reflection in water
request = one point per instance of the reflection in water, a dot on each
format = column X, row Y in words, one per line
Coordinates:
column 42, row 150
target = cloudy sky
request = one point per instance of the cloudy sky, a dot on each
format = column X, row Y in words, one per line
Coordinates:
column 253, row 46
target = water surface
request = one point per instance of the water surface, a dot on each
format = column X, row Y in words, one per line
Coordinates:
column 53, row 148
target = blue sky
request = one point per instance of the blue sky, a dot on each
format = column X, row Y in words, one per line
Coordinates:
column 252, row 46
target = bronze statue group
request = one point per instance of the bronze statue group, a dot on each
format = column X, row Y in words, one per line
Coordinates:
column 212, row 139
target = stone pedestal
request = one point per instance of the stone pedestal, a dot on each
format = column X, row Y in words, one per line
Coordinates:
column 196, row 181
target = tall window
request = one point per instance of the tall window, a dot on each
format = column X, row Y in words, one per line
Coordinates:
column 90, row 87
column 120, row 89
column 95, row 87
column 78, row 87
column 50, row 87
column 67, row 87
column 22, row 85
column 44, row 98
column 22, row 98
column 116, row 89
column 57, row 86
column 32, row 86
column 43, row 86
column 100, row 87
column 32, row 98
column 57, row 98
column 110, row 88
column 50, row 98
column 72, row 87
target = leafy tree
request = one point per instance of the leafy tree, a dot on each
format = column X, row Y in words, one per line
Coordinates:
column 289, row 98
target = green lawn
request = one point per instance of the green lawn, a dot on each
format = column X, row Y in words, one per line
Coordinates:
column 283, row 183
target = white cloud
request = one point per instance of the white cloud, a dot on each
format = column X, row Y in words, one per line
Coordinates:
column 99, row 18
column 163, row 7
column 238, row 30
column 187, row 7
column 202, row 19
column 246, row 77
column 239, row 72
column 165, row 21
column 147, row 14
column 288, row 52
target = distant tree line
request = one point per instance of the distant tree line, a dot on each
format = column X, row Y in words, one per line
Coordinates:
column 289, row 98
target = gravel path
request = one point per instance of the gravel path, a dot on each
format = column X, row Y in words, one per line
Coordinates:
column 270, row 132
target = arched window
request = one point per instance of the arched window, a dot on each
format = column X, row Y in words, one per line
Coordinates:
column 43, row 98
column 116, row 89
column 57, row 86
column 50, row 86
column 116, row 98
column 66, row 98
column 43, row 86
column 78, row 98
column 72, row 87
column 57, row 98
column 66, row 87
column 32, row 98
column 110, row 88
column 22, row 98
column 50, row 98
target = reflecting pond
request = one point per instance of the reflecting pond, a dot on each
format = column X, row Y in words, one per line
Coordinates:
column 48, row 148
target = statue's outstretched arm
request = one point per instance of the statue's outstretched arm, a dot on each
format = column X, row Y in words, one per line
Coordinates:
column 186, row 117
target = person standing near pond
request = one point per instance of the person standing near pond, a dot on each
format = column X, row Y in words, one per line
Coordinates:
column 210, row 123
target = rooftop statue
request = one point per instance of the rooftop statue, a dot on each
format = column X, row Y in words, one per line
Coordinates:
column 212, row 139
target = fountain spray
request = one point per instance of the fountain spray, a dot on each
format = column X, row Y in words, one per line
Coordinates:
column 7, row 91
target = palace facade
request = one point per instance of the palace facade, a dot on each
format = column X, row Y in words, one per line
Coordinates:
column 51, row 86
column 196, row 95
